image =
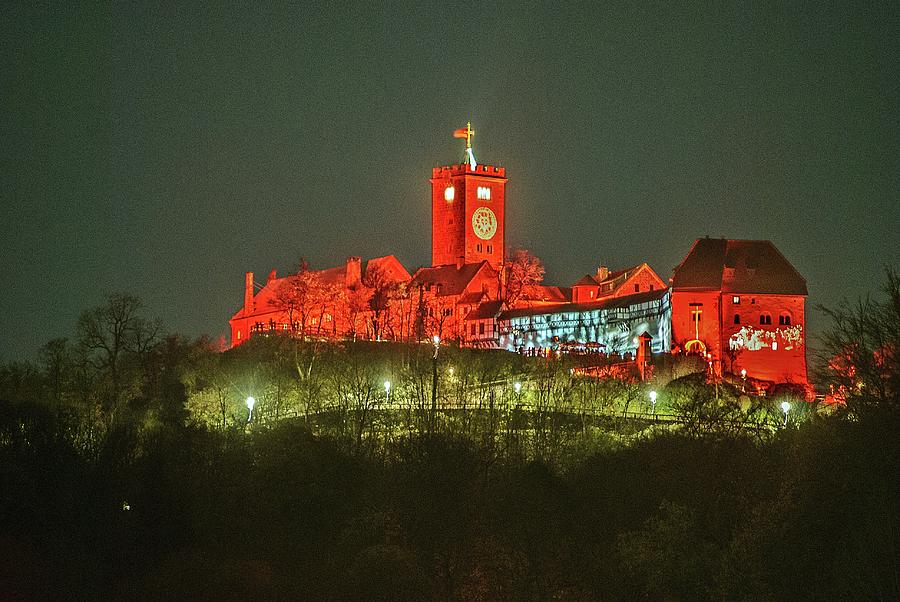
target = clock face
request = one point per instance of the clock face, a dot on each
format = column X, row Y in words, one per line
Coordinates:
column 484, row 222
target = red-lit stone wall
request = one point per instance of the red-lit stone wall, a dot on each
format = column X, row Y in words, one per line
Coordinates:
column 683, row 329
column 772, row 348
column 452, row 232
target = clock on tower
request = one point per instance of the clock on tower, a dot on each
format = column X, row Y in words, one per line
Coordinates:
column 467, row 210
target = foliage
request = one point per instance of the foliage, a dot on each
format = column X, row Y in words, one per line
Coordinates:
column 340, row 489
column 860, row 357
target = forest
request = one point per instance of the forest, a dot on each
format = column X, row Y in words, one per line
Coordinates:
column 136, row 463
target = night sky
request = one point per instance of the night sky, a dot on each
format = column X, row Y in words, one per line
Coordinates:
column 163, row 150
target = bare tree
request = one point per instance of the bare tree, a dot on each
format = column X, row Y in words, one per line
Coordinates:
column 521, row 271
column 108, row 333
column 861, row 350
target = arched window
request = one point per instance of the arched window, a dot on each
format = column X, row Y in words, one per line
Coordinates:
column 765, row 319
column 784, row 319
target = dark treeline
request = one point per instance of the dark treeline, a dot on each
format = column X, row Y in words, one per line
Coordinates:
column 129, row 469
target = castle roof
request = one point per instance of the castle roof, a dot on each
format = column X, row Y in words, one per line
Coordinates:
column 264, row 299
column 453, row 280
column 738, row 266
column 606, row 303
column 488, row 309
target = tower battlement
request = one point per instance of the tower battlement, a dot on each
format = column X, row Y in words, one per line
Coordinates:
column 465, row 168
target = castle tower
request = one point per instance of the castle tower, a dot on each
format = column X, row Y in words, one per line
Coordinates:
column 467, row 210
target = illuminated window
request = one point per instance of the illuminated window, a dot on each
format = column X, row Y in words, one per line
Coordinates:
column 784, row 319
column 765, row 319
column 484, row 193
column 449, row 193
column 239, row 335
column 736, row 300
column 737, row 318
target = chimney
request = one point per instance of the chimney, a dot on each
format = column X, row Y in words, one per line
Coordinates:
column 272, row 276
column 602, row 273
column 248, row 293
column 353, row 273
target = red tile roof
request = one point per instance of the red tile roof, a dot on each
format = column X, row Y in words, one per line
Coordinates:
column 738, row 266
column 607, row 303
column 453, row 281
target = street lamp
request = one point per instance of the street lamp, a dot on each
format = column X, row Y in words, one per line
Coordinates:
column 387, row 391
column 434, row 377
column 785, row 407
column 518, row 388
column 653, row 401
column 743, row 379
column 250, row 403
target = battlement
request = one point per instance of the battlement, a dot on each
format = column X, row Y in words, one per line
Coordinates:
column 464, row 168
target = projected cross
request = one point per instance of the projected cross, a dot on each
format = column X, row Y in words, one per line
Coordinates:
column 695, row 316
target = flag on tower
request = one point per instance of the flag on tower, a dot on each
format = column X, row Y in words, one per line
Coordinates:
column 461, row 133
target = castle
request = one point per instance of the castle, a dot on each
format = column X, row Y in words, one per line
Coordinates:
column 739, row 303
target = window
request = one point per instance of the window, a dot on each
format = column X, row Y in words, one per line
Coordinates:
column 472, row 330
column 490, row 249
column 449, row 193
column 765, row 319
column 651, row 287
column 484, row 193
column 637, row 288
column 736, row 300
column 784, row 319
column 481, row 328
column 737, row 318
column 478, row 247
column 696, row 311
column 239, row 335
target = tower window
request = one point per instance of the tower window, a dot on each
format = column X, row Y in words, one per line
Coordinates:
column 490, row 249
column 478, row 247
column 484, row 193
column 736, row 300
column 449, row 193
column 765, row 319
column 737, row 318
column 784, row 319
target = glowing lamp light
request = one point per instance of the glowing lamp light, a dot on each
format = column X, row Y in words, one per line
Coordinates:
column 743, row 373
column 437, row 340
column 449, row 193
column 387, row 386
column 250, row 403
column 518, row 387
column 653, row 397
column 785, row 407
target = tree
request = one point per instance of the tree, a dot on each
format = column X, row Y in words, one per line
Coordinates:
column 113, row 332
column 861, row 350
column 381, row 287
column 520, row 272
column 299, row 296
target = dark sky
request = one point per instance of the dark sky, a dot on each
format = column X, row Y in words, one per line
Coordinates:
column 162, row 150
